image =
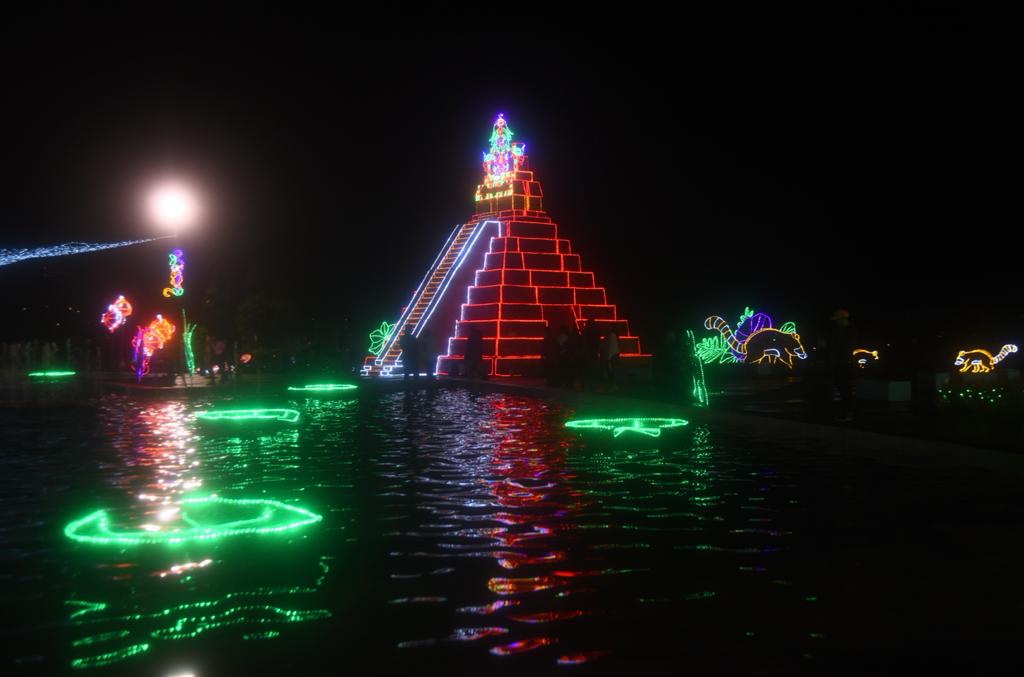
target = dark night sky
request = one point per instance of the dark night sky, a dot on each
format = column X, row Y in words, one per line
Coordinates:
column 870, row 163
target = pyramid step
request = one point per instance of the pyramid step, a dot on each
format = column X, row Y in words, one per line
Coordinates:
column 620, row 327
column 506, row 293
column 502, row 328
column 558, row 317
column 556, row 295
column 581, row 279
column 506, row 311
column 597, row 312
column 549, row 278
column 457, row 346
column 532, row 230
column 629, row 344
column 594, row 296
column 519, row 347
column 522, row 311
column 542, row 261
column 534, row 245
column 486, row 328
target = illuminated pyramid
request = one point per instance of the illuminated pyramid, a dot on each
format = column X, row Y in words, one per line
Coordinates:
column 526, row 278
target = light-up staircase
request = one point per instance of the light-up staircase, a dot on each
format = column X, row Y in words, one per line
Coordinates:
column 426, row 297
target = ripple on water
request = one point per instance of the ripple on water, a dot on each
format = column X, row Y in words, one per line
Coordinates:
column 438, row 508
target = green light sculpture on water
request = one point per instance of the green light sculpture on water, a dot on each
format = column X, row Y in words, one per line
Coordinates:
column 51, row 374
column 285, row 415
column 651, row 427
column 324, row 387
column 265, row 517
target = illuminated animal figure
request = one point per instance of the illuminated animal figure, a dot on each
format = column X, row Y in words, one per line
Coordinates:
column 979, row 361
column 771, row 345
column 750, row 323
column 117, row 314
column 862, row 356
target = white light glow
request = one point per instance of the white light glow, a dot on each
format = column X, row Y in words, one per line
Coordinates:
column 173, row 205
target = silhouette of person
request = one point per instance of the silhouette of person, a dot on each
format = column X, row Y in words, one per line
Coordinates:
column 410, row 356
column 839, row 350
column 220, row 358
column 428, row 352
column 667, row 363
column 175, row 360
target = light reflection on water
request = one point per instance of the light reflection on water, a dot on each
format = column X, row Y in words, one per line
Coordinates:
column 578, row 553
column 459, row 529
column 468, row 528
column 139, row 599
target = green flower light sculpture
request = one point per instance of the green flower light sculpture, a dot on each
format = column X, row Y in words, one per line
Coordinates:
column 284, row 415
column 714, row 349
column 259, row 516
column 379, row 336
column 650, row 427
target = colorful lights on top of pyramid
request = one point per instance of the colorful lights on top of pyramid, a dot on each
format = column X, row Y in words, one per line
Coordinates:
column 502, row 161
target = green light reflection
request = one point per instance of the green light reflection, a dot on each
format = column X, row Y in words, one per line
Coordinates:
column 264, row 516
column 285, row 415
column 650, row 427
column 324, row 387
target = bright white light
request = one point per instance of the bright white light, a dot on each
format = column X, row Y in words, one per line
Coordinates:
column 167, row 514
column 173, row 205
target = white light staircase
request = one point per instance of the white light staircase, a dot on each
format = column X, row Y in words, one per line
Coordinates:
column 426, row 297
